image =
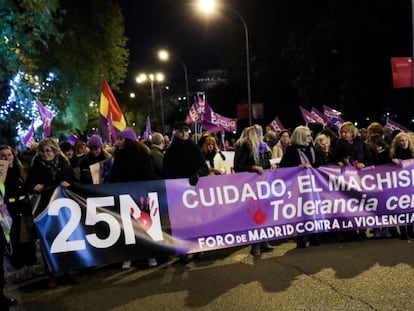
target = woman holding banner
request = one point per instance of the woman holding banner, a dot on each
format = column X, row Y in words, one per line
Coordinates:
column 301, row 153
column 252, row 154
column 402, row 148
column 132, row 162
column 50, row 169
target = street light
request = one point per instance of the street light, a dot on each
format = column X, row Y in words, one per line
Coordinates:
column 164, row 55
column 209, row 7
column 151, row 78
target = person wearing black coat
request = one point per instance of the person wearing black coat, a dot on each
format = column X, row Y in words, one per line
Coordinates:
column 252, row 154
column 50, row 169
column 132, row 161
column 183, row 158
column 95, row 155
column 301, row 153
column 350, row 149
column 402, row 148
column 23, row 235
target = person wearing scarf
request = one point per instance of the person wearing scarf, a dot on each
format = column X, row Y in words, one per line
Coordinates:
column 301, row 153
column 50, row 168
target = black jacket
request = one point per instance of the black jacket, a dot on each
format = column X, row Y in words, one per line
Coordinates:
column 183, row 159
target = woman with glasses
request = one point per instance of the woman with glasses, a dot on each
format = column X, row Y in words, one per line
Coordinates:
column 50, row 168
column 301, row 153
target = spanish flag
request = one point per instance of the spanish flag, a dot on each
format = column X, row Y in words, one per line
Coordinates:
column 110, row 115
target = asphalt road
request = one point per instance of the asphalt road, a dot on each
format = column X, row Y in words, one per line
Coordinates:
column 365, row 275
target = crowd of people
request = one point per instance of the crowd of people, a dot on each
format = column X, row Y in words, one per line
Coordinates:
column 49, row 164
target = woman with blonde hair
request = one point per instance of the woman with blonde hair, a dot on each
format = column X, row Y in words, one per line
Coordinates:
column 350, row 150
column 402, row 148
column 214, row 158
column 253, row 155
column 324, row 154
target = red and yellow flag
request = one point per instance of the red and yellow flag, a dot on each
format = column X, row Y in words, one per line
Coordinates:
column 110, row 113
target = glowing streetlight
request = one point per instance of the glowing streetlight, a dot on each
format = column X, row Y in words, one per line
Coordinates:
column 164, row 55
column 209, row 7
column 151, row 78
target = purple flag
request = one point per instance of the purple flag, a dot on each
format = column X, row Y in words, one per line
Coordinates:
column 46, row 117
column 217, row 123
column 392, row 126
column 318, row 116
column 199, row 111
column 73, row 139
column 307, row 116
column 276, row 125
column 333, row 117
column 330, row 112
column 28, row 139
column 147, row 132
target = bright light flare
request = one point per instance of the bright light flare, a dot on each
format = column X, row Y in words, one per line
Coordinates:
column 142, row 77
column 207, row 6
column 163, row 55
column 159, row 77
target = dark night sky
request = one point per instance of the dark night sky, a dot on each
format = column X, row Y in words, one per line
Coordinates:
column 174, row 25
column 155, row 24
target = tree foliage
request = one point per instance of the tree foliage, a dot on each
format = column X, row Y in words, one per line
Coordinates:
column 81, row 42
column 27, row 28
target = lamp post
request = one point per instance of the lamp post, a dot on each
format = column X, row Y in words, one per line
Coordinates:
column 151, row 78
column 164, row 55
column 208, row 7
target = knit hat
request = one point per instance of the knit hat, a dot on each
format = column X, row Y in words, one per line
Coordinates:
column 128, row 133
column 95, row 141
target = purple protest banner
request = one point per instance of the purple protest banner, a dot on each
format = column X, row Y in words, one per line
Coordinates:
column 101, row 224
column 225, row 212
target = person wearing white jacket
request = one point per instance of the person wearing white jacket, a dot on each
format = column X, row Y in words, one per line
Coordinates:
column 214, row 158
